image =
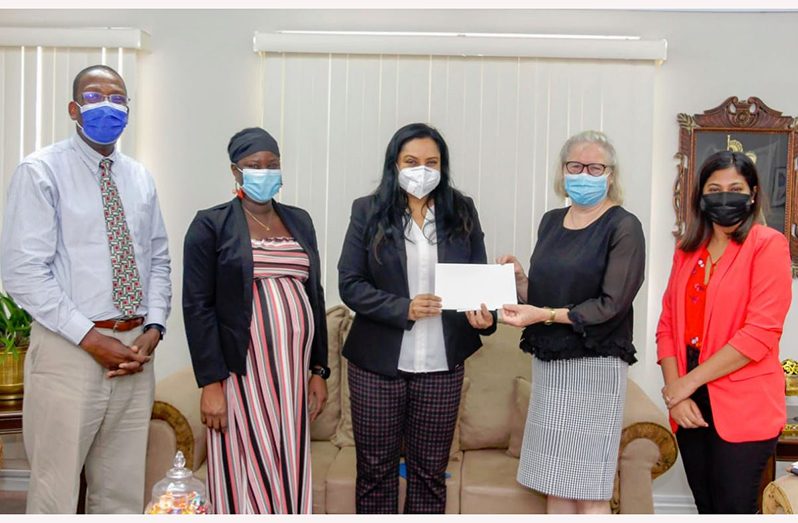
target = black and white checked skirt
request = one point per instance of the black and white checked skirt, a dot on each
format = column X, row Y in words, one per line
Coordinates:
column 573, row 428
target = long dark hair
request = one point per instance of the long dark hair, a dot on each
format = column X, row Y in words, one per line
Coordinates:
column 390, row 215
column 699, row 226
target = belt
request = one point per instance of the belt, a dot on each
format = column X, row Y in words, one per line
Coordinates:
column 120, row 324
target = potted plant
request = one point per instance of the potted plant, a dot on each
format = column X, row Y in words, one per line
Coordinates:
column 14, row 339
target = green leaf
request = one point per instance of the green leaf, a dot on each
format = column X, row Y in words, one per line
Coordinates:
column 15, row 325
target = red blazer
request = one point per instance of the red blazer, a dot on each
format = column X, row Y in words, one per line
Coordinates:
column 747, row 300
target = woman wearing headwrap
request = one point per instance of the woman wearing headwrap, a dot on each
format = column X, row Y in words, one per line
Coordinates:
column 255, row 321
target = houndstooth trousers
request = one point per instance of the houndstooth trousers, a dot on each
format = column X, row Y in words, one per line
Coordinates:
column 419, row 409
column 573, row 428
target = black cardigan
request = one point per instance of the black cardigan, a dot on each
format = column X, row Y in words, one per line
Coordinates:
column 217, row 288
column 379, row 295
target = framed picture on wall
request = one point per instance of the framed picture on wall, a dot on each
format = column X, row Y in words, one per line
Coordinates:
column 778, row 194
column 764, row 135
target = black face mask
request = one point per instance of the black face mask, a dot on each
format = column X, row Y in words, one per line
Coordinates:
column 726, row 208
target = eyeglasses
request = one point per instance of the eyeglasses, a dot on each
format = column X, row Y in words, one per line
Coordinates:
column 593, row 169
column 92, row 97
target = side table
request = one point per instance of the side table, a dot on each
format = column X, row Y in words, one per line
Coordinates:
column 10, row 417
column 10, row 421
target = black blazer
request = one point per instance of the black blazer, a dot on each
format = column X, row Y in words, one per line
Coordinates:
column 379, row 295
column 217, row 288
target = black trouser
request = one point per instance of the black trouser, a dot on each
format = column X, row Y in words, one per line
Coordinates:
column 420, row 409
column 723, row 476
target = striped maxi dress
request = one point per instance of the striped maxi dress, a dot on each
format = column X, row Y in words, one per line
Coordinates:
column 261, row 465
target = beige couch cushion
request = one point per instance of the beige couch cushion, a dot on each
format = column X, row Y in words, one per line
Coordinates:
column 340, row 496
column 489, row 486
column 485, row 422
column 521, row 393
column 454, row 451
column 322, row 454
column 638, row 407
column 343, row 436
column 338, row 320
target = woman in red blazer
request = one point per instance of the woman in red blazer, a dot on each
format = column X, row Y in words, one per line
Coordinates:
column 718, row 337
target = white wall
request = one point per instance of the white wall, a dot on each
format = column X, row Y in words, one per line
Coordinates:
column 201, row 83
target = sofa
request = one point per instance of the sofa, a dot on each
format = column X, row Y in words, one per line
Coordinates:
column 484, row 453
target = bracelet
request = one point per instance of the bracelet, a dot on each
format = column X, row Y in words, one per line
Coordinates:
column 551, row 318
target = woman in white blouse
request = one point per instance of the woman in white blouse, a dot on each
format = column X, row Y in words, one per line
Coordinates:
column 406, row 354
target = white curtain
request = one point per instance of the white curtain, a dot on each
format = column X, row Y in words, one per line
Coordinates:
column 35, row 88
column 504, row 120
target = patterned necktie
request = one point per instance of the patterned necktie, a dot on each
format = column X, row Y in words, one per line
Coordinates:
column 126, row 283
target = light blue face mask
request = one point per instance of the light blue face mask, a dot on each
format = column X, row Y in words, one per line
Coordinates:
column 261, row 185
column 586, row 190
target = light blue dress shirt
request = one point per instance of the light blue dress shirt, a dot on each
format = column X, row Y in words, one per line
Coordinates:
column 54, row 254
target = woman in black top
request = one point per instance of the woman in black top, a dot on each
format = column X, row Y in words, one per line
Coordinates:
column 576, row 307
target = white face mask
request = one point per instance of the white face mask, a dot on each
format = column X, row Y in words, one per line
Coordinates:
column 419, row 181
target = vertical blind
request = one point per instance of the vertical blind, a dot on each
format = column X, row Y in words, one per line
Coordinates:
column 504, row 120
column 35, row 88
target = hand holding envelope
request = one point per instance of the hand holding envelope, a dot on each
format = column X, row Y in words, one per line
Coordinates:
column 424, row 306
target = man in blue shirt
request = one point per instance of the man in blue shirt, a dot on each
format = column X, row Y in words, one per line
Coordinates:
column 84, row 251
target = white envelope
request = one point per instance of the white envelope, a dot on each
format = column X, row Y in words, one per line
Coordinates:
column 464, row 286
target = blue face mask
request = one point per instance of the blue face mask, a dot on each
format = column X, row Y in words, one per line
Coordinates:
column 261, row 185
column 586, row 190
column 103, row 122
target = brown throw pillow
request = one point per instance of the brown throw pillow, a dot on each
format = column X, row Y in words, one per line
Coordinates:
column 323, row 429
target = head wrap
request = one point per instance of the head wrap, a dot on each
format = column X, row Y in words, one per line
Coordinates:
column 250, row 141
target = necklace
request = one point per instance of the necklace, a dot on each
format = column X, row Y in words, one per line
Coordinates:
column 268, row 229
column 592, row 216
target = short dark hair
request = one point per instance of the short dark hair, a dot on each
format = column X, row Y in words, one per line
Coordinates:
column 89, row 69
column 699, row 226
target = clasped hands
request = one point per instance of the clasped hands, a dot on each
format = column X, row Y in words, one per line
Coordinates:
column 118, row 358
column 429, row 305
column 683, row 410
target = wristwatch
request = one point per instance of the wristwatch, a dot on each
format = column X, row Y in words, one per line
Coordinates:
column 322, row 371
column 161, row 329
